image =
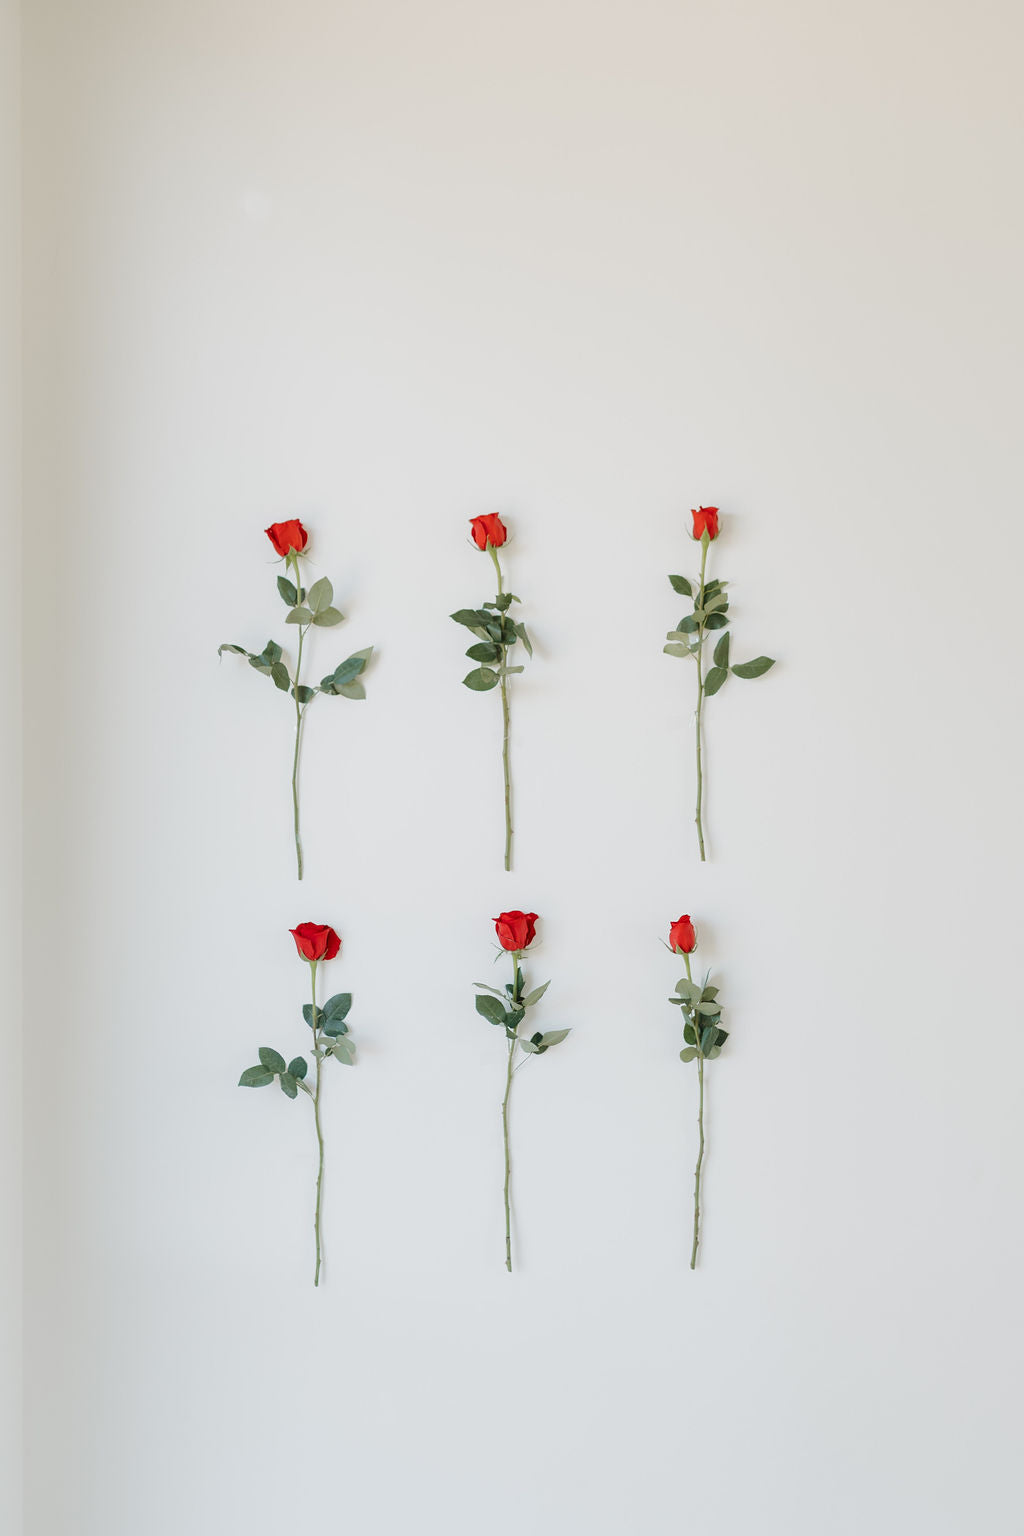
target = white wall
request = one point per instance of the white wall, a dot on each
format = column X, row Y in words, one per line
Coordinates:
column 384, row 266
column 10, row 777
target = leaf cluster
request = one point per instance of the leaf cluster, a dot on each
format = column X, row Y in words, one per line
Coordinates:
column 307, row 608
column 497, row 633
column 710, row 612
column 330, row 1038
column 509, row 1009
column 702, row 1032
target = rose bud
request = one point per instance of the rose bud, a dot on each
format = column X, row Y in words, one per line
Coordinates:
column 515, row 930
column 315, row 941
column 287, row 538
column 682, row 936
column 488, row 529
column 705, row 520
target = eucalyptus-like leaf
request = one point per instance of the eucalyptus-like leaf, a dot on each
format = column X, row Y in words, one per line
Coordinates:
column 236, row 650
column 279, row 672
column 714, row 680
column 755, row 668
column 676, row 650
column 339, row 1006
column 287, row 591
column 481, row 679
column 327, row 616
column 255, row 1077
column 352, row 690
column 535, row 996
column 687, row 1053
column 716, row 621
column 490, row 1009
column 298, row 1066
column 345, row 1052
column 524, row 637
column 300, row 615
column 272, row 1060
column 681, row 585
column 721, row 657
column 288, row 1085
column 303, row 693
column 486, row 650
column 511, row 671
column 471, row 617
column 552, row 1037
column 320, row 595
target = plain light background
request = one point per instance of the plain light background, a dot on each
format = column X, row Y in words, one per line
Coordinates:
column 384, row 266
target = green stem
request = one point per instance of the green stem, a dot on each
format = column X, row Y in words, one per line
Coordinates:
column 508, row 1164
column 318, row 1053
column 295, row 759
column 700, row 1128
column 705, row 543
column 506, row 769
column 517, row 987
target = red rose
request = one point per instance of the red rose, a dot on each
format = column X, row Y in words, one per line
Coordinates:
column 315, row 941
column 681, row 934
column 516, row 930
column 488, row 529
column 705, row 520
column 288, row 536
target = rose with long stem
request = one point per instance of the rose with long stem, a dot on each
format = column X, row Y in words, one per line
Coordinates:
column 315, row 943
column 516, row 932
column 703, row 1039
column 710, row 612
column 497, row 632
column 305, row 609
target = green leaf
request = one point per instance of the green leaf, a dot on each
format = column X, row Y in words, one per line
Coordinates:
column 714, row 680
column 721, row 1036
column 236, row 650
column 289, row 1085
column 722, row 651
column 470, row 617
column 327, row 616
column 552, row 1037
column 716, row 1050
column 709, row 994
column 352, row 690
column 676, row 650
column 347, row 671
column 709, row 1009
column 707, row 1037
column 307, row 1014
column 481, row 680
column 712, row 602
column 490, row 1009
column 688, row 1053
column 524, row 637
column 338, row 1006
column 535, row 996
column 688, row 989
column 486, row 650
column 716, row 621
column 529, row 1046
column 680, row 584
column 485, row 988
column 255, row 1077
column 299, row 615
column 755, row 668
column 689, row 624
column 320, row 595
column 287, row 591
column 332, row 1028
column 279, row 672
column 510, row 671
column 345, row 1052
column 298, row 1067
column 689, row 1034
column 272, row 1060
column 303, row 694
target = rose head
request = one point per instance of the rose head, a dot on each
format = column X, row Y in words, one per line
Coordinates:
column 315, row 941
column 287, row 537
column 516, row 930
column 682, row 936
column 705, row 520
column 488, row 529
